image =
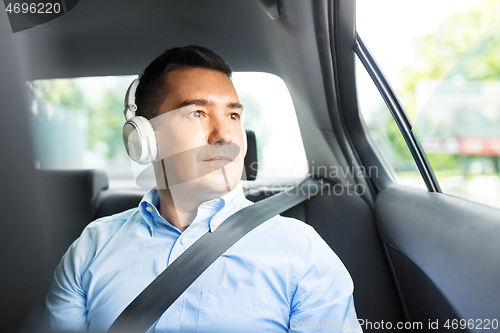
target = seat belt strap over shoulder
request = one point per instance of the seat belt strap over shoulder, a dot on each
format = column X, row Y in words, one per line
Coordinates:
column 153, row 301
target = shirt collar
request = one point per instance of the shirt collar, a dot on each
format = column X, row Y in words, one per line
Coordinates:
column 212, row 212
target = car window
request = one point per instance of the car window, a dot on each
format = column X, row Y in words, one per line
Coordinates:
column 78, row 122
column 384, row 134
column 446, row 73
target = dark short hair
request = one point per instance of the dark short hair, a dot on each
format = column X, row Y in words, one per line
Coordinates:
column 152, row 89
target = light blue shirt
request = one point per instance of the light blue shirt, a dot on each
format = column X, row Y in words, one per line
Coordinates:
column 279, row 277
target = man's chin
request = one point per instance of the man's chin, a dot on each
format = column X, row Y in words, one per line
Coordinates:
column 214, row 184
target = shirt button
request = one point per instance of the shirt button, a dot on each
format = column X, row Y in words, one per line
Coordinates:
column 184, row 241
column 149, row 209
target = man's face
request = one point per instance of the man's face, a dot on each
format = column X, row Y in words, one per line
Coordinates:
column 199, row 133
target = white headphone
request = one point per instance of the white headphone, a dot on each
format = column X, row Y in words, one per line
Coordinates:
column 138, row 134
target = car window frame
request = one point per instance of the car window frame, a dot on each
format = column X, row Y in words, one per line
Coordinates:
column 345, row 53
column 398, row 113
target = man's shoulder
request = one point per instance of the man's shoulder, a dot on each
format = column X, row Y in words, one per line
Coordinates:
column 287, row 233
column 97, row 233
column 290, row 225
column 92, row 240
column 300, row 235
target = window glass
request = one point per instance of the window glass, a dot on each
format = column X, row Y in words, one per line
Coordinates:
column 78, row 123
column 384, row 133
column 446, row 71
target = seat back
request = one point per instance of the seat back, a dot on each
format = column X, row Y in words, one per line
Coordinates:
column 70, row 200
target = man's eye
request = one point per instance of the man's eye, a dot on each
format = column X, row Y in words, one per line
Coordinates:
column 196, row 114
column 235, row 116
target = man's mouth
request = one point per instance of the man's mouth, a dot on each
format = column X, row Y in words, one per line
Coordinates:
column 219, row 158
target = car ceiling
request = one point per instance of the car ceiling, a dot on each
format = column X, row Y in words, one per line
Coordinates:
column 120, row 37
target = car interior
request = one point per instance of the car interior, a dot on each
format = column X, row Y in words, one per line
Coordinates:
column 415, row 255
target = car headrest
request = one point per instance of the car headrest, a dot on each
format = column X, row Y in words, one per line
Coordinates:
column 251, row 163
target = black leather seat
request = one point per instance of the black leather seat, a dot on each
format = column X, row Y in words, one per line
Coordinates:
column 69, row 198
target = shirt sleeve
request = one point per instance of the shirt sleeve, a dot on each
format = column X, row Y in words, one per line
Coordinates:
column 323, row 298
column 66, row 300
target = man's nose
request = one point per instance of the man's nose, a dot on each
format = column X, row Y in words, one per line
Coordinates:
column 219, row 131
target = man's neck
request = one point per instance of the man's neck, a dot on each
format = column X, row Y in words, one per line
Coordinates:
column 180, row 209
column 179, row 203
column 179, row 214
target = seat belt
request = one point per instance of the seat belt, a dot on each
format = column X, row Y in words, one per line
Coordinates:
column 153, row 301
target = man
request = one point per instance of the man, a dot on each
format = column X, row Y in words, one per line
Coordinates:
column 279, row 277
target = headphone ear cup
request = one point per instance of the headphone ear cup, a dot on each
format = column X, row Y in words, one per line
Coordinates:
column 140, row 140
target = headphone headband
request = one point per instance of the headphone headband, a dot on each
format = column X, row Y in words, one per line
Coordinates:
column 129, row 102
